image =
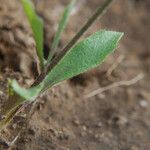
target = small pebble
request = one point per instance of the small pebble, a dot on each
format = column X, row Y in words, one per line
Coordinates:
column 76, row 122
column 84, row 128
column 143, row 103
column 122, row 121
column 99, row 125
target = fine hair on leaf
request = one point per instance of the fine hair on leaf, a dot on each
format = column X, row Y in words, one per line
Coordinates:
column 85, row 55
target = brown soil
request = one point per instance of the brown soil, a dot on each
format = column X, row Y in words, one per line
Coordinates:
column 64, row 119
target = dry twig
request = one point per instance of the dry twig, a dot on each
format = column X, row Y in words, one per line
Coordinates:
column 116, row 84
column 115, row 65
column 13, row 142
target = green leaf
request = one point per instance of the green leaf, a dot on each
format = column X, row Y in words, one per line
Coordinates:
column 27, row 94
column 37, row 28
column 61, row 28
column 85, row 55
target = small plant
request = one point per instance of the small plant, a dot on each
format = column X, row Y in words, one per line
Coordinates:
column 73, row 59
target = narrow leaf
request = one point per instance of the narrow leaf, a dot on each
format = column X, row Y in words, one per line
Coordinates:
column 61, row 28
column 37, row 28
column 8, row 117
column 85, row 55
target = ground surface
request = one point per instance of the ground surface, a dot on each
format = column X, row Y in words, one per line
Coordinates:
column 118, row 118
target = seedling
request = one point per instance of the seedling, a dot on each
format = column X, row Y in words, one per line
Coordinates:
column 73, row 59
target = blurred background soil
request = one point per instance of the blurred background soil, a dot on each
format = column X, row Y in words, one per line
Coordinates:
column 117, row 119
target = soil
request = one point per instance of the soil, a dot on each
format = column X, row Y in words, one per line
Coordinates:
column 64, row 119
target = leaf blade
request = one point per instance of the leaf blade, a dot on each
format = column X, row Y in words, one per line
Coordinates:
column 61, row 27
column 81, row 57
column 37, row 26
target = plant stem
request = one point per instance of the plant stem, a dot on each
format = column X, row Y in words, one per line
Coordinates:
column 98, row 13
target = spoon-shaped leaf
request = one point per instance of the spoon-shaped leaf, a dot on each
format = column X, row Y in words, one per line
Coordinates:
column 61, row 28
column 37, row 28
column 83, row 56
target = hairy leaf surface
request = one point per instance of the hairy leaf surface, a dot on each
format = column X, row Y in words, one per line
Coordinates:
column 83, row 56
